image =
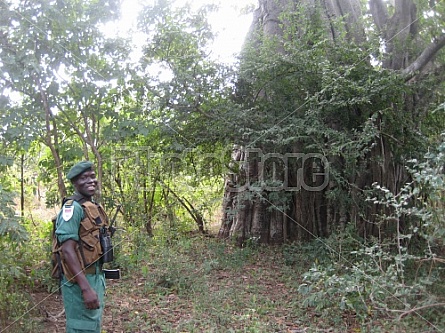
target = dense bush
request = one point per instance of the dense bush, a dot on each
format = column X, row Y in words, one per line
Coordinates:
column 392, row 277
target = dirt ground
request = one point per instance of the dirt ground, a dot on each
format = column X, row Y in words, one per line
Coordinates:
column 123, row 305
column 50, row 307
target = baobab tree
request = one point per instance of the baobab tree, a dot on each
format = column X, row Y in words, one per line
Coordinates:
column 335, row 95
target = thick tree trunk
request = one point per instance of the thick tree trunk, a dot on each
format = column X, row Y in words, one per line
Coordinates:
column 253, row 213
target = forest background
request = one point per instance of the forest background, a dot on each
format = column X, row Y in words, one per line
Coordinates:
column 223, row 220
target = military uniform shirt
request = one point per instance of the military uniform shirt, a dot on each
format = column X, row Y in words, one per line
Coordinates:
column 69, row 229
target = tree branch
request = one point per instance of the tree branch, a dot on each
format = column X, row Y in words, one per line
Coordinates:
column 420, row 308
column 195, row 214
column 379, row 13
column 424, row 57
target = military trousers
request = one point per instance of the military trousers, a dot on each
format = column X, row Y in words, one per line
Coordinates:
column 79, row 319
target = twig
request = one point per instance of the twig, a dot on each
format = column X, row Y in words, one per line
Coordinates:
column 419, row 308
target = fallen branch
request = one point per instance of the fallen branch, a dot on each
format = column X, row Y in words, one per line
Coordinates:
column 53, row 318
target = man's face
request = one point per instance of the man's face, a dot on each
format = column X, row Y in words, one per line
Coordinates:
column 86, row 183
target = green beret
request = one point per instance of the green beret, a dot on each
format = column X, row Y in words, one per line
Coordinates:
column 79, row 168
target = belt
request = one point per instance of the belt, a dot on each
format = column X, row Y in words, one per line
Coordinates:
column 92, row 269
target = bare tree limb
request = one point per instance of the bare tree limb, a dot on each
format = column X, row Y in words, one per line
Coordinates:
column 195, row 214
column 425, row 57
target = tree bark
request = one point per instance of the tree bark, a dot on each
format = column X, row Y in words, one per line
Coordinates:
column 395, row 31
column 424, row 58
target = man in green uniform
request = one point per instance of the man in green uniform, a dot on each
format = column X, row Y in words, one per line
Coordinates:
column 77, row 229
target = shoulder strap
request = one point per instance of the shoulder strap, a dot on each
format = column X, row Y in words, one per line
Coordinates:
column 76, row 197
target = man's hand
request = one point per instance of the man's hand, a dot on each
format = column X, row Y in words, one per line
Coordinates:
column 90, row 299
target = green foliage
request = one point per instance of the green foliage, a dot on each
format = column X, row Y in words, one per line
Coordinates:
column 190, row 96
column 25, row 271
column 10, row 228
column 59, row 74
column 156, row 187
column 323, row 251
column 14, row 300
column 387, row 275
column 334, row 102
column 427, row 191
column 364, row 280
